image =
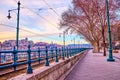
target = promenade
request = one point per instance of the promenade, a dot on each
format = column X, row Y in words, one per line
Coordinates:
column 95, row 66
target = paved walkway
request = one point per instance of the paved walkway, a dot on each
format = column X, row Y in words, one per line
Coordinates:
column 95, row 67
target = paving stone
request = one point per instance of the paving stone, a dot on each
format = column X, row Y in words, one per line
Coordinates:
column 96, row 67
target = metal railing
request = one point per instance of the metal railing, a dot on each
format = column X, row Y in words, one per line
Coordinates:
column 18, row 57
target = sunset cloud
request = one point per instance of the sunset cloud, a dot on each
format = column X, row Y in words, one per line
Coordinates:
column 35, row 16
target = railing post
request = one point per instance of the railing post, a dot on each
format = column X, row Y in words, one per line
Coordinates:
column 52, row 53
column 77, row 50
column 39, row 55
column 47, row 62
column 0, row 59
column 63, row 58
column 67, row 52
column 70, row 51
column 74, row 51
column 14, row 58
column 56, row 60
column 29, row 68
column 59, row 53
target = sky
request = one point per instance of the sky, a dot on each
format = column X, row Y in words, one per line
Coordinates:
column 39, row 21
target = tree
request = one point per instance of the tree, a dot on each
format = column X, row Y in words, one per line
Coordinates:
column 88, row 17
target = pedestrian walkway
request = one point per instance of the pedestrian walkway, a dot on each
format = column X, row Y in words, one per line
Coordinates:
column 95, row 66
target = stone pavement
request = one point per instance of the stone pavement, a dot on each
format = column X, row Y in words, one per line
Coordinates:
column 95, row 66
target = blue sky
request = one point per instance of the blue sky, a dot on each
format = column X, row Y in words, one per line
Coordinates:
column 36, row 17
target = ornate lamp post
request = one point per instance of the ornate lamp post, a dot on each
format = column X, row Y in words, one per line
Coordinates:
column 18, row 14
column 64, row 32
column 110, row 58
column 73, row 42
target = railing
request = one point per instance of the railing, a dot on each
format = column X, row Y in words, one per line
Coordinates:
column 18, row 57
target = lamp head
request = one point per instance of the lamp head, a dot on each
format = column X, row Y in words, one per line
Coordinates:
column 8, row 15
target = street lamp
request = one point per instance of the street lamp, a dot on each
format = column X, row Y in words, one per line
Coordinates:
column 73, row 41
column 64, row 32
column 63, row 37
column 18, row 14
column 110, row 58
column 78, row 44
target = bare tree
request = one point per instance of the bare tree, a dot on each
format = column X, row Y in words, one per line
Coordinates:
column 88, row 17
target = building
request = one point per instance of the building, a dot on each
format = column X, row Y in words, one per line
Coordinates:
column 23, row 44
column 41, row 45
column 8, row 44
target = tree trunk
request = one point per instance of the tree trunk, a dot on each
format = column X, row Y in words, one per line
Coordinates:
column 104, row 53
column 96, row 47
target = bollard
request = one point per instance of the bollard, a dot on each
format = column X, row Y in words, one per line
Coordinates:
column 47, row 62
column 39, row 55
column 14, row 58
column 29, row 68
column 56, row 60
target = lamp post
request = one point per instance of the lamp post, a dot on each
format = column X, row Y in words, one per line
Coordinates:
column 63, row 45
column 110, row 58
column 74, row 42
column 64, row 32
column 64, row 39
column 18, row 14
column 78, row 44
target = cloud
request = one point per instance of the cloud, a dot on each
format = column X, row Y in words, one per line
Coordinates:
column 5, row 36
column 31, row 19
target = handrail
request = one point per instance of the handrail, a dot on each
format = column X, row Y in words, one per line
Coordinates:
column 42, row 54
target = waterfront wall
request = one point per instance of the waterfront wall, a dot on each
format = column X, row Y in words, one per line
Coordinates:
column 56, row 71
